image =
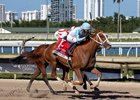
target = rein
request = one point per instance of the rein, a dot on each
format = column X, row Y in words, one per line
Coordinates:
column 100, row 42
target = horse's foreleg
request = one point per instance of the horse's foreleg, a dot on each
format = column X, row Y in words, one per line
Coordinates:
column 44, row 75
column 86, row 79
column 65, row 82
column 35, row 74
column 65, row 73
column 79, row 76
column 99, row 74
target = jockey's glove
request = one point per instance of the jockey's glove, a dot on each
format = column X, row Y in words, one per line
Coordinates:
column 81, row 39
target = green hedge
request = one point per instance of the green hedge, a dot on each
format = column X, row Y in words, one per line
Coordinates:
column 28, row 76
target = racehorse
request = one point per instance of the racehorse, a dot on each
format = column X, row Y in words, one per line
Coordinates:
column 84, row 57
column 39, row 56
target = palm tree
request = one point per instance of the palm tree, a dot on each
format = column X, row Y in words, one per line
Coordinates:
column 118, row 26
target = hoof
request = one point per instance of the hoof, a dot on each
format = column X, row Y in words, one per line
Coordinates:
column 85, row 87
column 53, row 92
column 77, row 92
column 92, row 87
column 36, row 90
column 64, row 88
column 96, row 89
column 28, row 90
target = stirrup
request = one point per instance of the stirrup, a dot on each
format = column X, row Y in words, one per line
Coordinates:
column 69, row 53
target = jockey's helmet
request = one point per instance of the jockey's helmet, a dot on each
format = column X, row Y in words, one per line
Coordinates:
column 85, row 26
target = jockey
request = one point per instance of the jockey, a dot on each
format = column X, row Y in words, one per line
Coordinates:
column 78, row 34
column 61, row 35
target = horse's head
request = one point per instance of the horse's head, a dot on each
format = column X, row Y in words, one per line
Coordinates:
column 101, row 39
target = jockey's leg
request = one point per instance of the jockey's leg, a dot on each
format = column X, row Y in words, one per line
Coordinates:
column 69, row 51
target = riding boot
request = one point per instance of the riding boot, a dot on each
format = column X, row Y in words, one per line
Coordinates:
column 69, row 51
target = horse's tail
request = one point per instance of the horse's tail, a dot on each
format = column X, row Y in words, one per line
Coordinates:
column 22, row 58
column 32, row 56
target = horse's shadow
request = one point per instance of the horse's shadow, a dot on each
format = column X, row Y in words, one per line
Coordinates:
column 98, row 95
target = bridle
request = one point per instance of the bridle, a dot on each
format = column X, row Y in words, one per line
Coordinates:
column 98, row 39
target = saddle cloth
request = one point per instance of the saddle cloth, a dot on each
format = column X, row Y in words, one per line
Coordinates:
column 61, row 47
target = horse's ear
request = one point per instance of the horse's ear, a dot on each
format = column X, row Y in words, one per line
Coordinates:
column 97, row 30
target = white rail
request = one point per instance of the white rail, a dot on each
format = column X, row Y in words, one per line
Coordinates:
column 117, row 45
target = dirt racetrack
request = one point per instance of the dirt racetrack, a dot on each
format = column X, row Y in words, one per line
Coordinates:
column 16, row 90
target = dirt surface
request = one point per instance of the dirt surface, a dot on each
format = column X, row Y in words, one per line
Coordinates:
column 16, row 90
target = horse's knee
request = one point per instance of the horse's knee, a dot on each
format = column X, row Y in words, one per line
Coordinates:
column 44, row 75
column 53, row 74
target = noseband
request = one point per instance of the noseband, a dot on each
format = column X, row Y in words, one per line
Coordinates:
column 99, row 40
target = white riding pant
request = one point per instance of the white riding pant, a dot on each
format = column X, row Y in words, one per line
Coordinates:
column 71, row 39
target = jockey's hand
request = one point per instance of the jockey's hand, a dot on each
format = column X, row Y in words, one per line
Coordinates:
column 81, row 39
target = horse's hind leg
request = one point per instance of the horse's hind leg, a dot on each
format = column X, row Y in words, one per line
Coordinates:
column 44, row 75
column 35, row 74
column 99, row 74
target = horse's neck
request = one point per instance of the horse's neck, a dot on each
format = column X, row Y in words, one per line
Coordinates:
column 93, row 46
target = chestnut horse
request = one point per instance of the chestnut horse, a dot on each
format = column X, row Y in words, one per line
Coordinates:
column 42, row 56
column 84, row 57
